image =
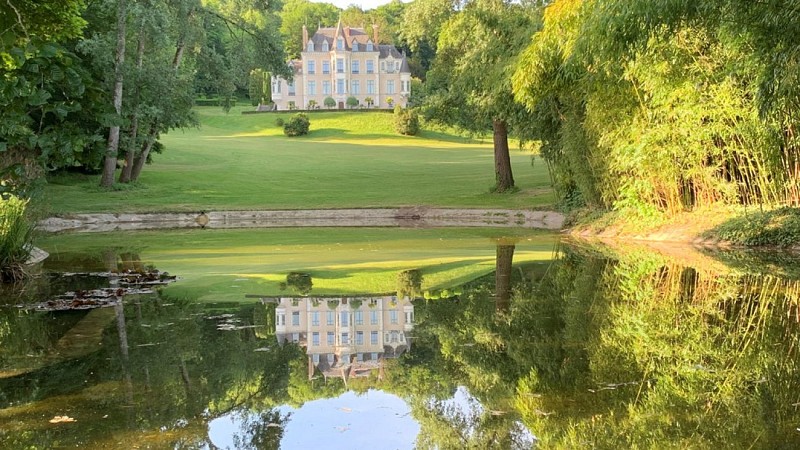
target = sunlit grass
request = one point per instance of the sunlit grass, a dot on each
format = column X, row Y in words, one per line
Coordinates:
column 355, row 159
column 225, row 265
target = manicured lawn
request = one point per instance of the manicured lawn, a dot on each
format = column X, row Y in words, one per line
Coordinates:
column 224, row 265
column 355, row 159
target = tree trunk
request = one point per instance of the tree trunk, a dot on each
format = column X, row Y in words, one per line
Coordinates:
column 502, row 160
column 110, row 163
column 138, row 165
column 125, row 175
column 502, row 278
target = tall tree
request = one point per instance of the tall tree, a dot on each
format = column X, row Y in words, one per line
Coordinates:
column 110, row 162
column 469, row 85
column 655, row 108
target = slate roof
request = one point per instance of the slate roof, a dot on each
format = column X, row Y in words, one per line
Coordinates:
column 352, row 34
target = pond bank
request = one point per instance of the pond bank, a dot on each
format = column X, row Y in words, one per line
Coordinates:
column 414, row 217
column 715, row 227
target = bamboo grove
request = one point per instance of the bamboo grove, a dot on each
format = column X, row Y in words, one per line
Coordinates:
column 658, row 107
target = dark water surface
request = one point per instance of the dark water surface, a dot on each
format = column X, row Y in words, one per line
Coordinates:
column 445, row 339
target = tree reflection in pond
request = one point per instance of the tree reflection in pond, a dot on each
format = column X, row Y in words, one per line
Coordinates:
column 616, row 350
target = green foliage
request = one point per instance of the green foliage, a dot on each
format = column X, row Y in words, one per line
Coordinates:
column 15, row 238
column 259, row 87
column 329, row 102
column 52, row 107
column 52, row 20
column 351, row 102
column 297, row 125
column 779, row 227
column 406, row 121
column 279, row 122
column 655, row 108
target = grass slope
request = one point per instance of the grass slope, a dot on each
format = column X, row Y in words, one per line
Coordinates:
column 224, row 265
column 354, row 159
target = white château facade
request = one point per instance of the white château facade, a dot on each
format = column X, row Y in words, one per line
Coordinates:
column 344, row 62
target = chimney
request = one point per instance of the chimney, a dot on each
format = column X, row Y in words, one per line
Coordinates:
column 375, row 33
column 305, row 38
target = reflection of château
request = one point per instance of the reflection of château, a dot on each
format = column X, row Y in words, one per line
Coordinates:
column 346, row 336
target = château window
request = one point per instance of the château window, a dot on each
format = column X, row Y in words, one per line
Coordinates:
column 370, row 66
column 326, row 67
column 311, row 67
column 355, row 46
column 354, row 66
column 369, row 46
column 390, row 86
column 340, row 65
column 310, row 47
column 325, row 46
column 340, row 44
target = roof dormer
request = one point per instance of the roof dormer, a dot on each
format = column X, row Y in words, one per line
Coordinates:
column 310, row 47
column 340, row 43
column 369, row 45
column 325, row 46
column 355, row 45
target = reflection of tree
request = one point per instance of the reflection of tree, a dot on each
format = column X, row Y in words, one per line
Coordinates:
column 261, row 431
column 409, row 283
column 300, row 282
column 448, row 424
column 642, row 352
column 502, row 286
column 183, row 373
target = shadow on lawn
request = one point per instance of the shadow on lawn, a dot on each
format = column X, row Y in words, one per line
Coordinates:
column 332, row 133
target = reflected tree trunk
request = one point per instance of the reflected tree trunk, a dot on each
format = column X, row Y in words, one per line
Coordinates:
column 505, row 257
column 110, row 260
column 122, row 332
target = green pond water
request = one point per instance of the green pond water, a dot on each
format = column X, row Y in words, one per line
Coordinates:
column 401, row 339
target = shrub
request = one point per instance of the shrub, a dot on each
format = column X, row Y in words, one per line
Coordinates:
column 279, row 122
column 369, row 101
column 406, row 121
column 297, row 125
column 352, row 102
column 15, row 238
column 329, row 102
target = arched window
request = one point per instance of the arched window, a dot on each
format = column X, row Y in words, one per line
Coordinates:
column 355, row 46
column 340, row 44
column 310, row 46
column 369, row 46
column 325, row 47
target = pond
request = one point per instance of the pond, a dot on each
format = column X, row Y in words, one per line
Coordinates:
column 400, row 339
